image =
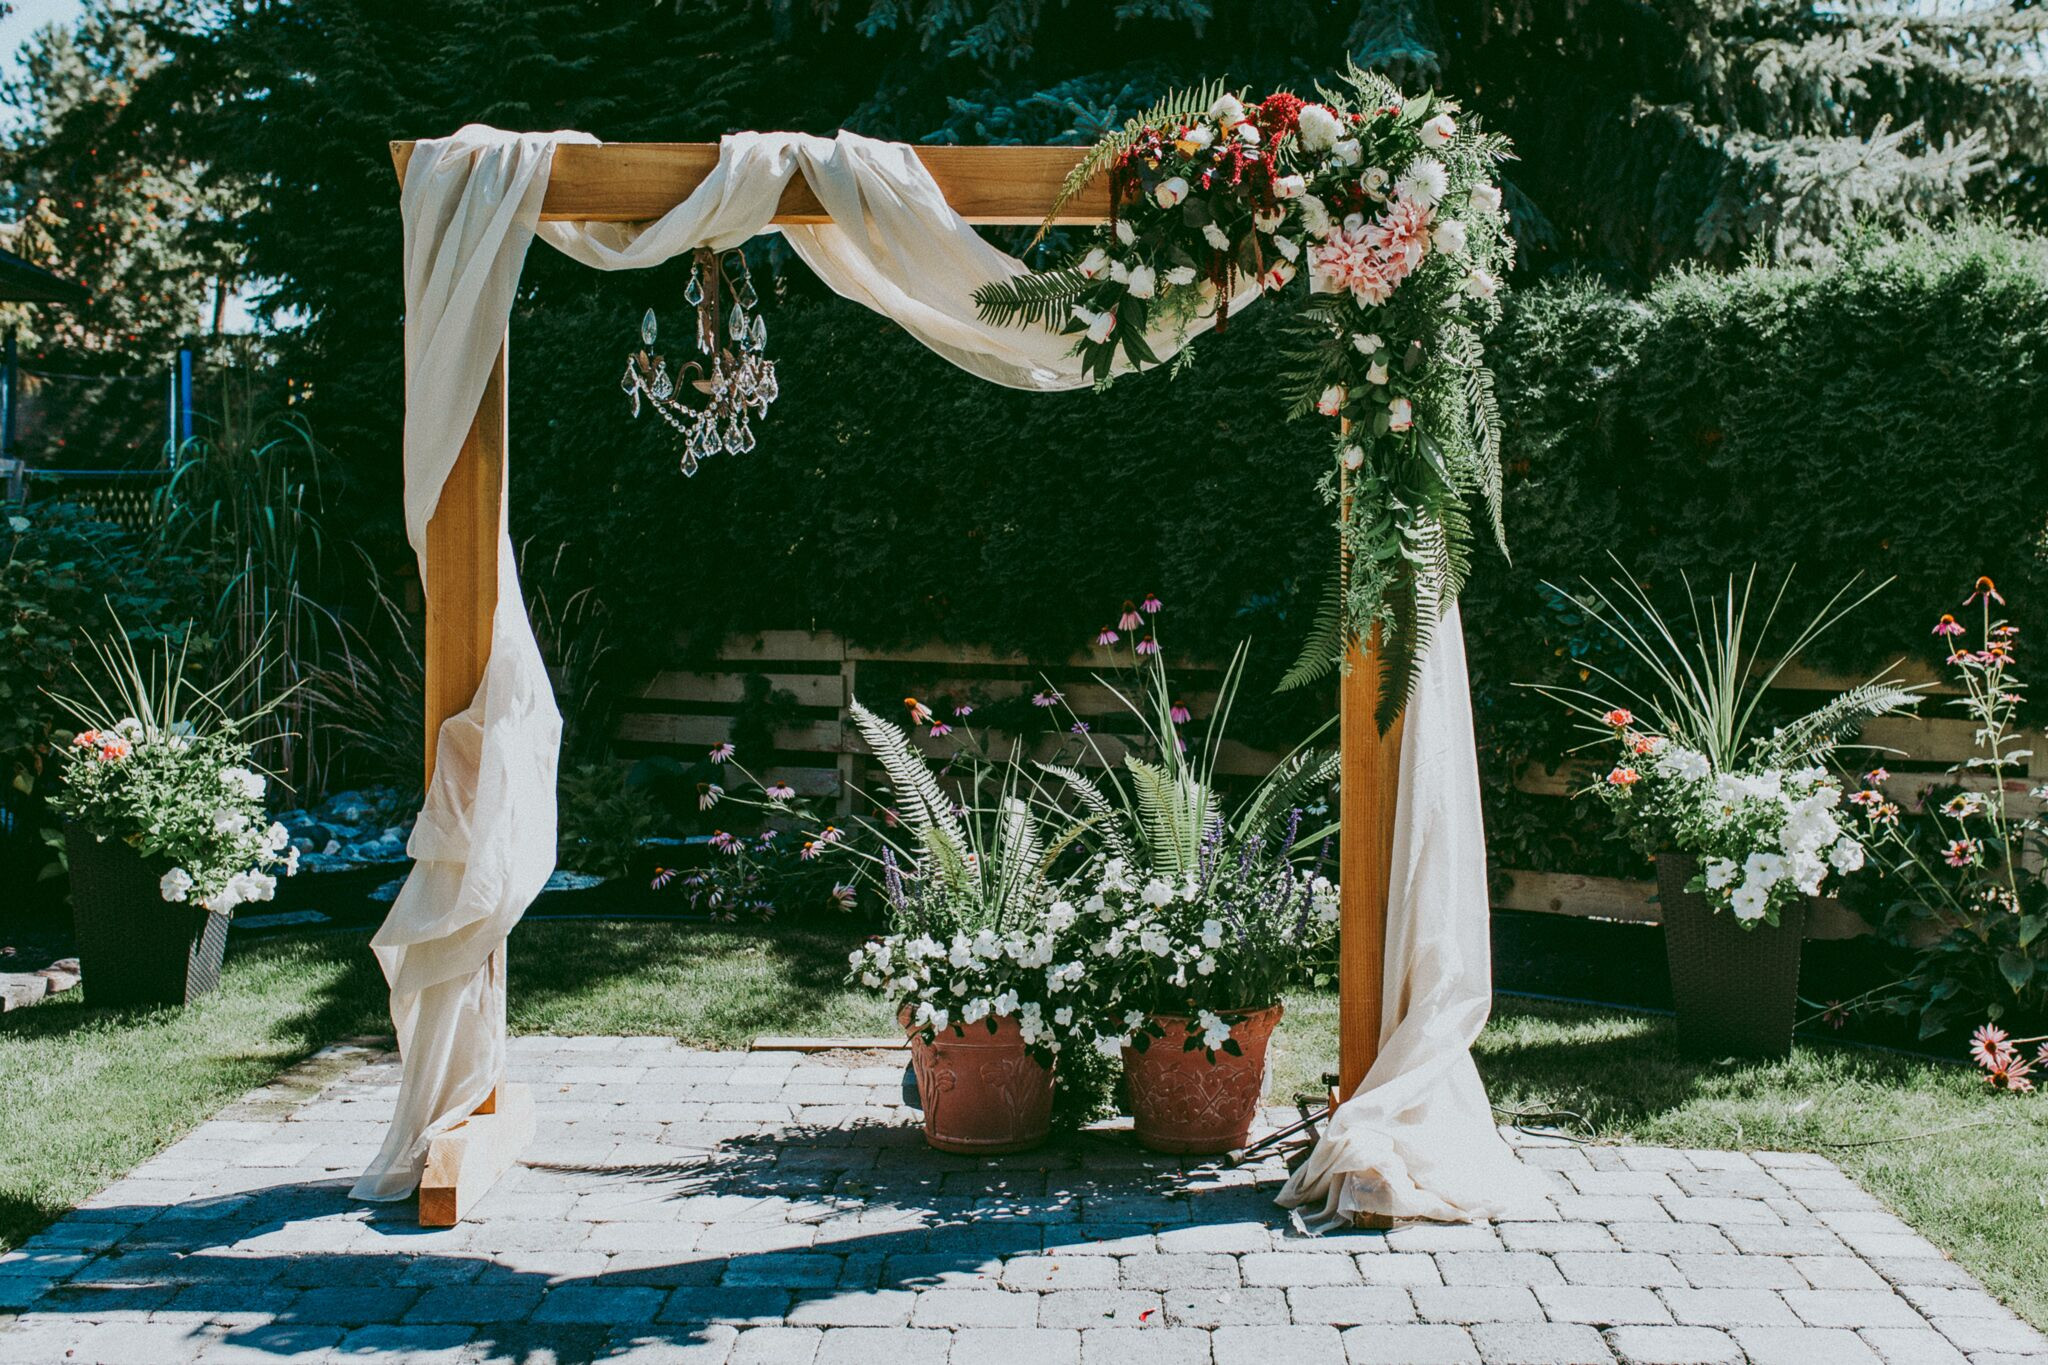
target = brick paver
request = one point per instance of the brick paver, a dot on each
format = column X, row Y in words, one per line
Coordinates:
column 697, row 1208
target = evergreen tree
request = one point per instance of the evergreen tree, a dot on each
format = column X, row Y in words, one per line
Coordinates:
column 91, row 196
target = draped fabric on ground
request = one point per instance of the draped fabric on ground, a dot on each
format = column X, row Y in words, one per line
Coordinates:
column 1418, row 1141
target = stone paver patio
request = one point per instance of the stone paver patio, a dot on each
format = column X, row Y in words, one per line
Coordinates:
column 719, row 1208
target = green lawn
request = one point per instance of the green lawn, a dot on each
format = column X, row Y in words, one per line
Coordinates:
column 86, row 1095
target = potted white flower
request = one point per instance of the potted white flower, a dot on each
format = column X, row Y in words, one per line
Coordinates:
column 1746, row 827
column 983, row 958
column 165, row 833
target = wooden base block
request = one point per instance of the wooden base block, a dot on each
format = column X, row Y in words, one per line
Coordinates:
column 467, row 1160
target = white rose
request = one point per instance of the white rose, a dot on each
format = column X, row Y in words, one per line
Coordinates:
column 175, row 885
column 1215, row 236
column 1290, row 187
column 1481, row 284
column 1485, row 199
column 1377, row 374
column 1125, row 233
column 1331, row 401
column 1368, row 342
column 1181, row 275
column 1374, row 180
column 1095, row 264
column 1198, row 137
column 1318, row 127
column 1400, row 415
column 1247, row 133
column 1142, row 283
column 1227, row 110
column 1354, row 458
column 1287, row 247
column 1438, row 130
column 1278, row 275
column 1449, row 237
column 1347, row 151
column 1098, row 325
column 1170, row 192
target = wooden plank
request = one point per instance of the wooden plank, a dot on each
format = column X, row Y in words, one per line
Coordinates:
column 1371, row 785
column 806, row 689
column 1631, row 901
column 462, row 564
column 802, row 737
column 782, row 646
column 629, row 182
column 464, row 1162
column 1930, row 739
column 1798, row 677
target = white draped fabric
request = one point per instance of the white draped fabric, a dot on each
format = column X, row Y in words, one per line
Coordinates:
column 1418, row 1140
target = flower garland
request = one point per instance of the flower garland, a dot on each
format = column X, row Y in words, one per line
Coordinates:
column 1377, row 215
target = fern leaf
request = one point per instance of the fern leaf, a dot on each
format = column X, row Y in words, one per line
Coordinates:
column 1102, row 811
column 1811, row 737
column 1035, row 299
column 926, row 805
column 1324, row 648
column 1179, row 106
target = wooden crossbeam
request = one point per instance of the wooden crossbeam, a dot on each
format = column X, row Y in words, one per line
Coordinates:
column 631, row 182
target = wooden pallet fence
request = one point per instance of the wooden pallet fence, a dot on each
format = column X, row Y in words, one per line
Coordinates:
column 686, row 709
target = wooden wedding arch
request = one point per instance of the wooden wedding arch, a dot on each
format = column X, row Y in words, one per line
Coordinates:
column 1000, row 186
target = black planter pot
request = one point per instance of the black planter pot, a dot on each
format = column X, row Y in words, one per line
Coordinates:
column 1736, row 990
column 134, row 947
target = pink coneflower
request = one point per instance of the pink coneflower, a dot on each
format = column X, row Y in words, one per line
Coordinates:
column 1079, row 727
column 1619, row 717
column 1869, row 796
column 1179, row 714
column 811, row 849
column 1948, row 625
column 1884, row 813
column 940, row 728
column 1960, row 853
column 724, row 842
column 2005, row 632
column 778, row 791
column 919, row 712
column 1152, row 605
column 1148, row 646
column 2010, row 1074
column 1990, row 1045
column 1877, row 775
column 830, row 834
column 1107, row 636
column 962, row 712
column 708, row 795
column 721, row 752
column 1985, row 591
column 1624, row 777
column 842, row 897
column 662, row 877
column 1130, row 620
column 769, row 836
column 1048, row 697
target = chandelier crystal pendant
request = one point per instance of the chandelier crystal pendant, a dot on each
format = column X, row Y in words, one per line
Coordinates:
column 741, row 379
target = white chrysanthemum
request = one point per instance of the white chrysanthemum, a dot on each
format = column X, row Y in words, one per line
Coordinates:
column 1425, row 181
column 1318, row 127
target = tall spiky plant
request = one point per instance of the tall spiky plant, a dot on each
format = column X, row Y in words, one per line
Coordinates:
column 1709, row 682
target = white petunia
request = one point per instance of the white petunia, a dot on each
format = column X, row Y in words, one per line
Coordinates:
column 1846, row 855
column 1721, row 873
column 1749, row 901
column 175, row 885
column 1764, row 869
column 242, row 780
column 229, row 821
column 1686, row 764
column 1481, row 283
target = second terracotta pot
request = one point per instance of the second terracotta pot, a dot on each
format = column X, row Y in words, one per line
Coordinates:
column 1183, row 1102
column 982, row 1091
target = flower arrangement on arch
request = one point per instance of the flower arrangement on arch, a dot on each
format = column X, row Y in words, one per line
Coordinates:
column 1378, row 215
column 162, row 767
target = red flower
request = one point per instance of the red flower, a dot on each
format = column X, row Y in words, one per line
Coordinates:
column 1278, row 114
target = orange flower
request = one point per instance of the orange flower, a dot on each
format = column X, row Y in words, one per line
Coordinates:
column 1619, row 717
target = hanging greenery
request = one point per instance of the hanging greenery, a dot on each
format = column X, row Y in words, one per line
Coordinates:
column 1376, row 215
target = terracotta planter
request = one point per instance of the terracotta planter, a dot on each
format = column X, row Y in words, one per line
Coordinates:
column 1736, row 990
column 1183, row 1102
column 982, row 1092
column 134, row 947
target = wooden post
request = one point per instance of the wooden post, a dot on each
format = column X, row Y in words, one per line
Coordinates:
column 1370, row 768
column 463, row 541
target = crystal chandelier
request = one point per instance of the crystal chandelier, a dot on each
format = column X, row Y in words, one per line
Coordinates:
column 740, row 379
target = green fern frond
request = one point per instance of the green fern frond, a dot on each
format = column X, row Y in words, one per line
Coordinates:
column 1814, row 735
column 1101, row 810
column 924, row 804
column 1298, row 777
column 1178, row 106
column 1402, row 644
column 1036, row 299
column 1324, row 648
